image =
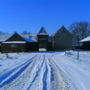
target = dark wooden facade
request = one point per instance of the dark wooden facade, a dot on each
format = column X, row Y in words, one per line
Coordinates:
column 42, row 39
column 61, row 40
column 32, row 46
column 17, row 43
column 84, row 46
column 6, row 47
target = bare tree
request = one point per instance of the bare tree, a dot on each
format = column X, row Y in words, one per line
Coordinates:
column 79, row 30
column 25, row 32
column 78, row 53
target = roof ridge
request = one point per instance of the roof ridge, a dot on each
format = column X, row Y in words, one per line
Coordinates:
column 42, row 31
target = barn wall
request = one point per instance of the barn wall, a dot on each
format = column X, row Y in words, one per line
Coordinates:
column 6, row 48
column 33, row 46
column 62, row 41
column 85, row 46
column 49, row 46
column 43, row 41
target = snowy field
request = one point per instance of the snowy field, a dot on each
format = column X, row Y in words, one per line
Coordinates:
column 45, row 71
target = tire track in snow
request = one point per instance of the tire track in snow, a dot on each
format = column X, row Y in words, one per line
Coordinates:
column 42, row 80
column 22, row 82
column 57, row 82
column 38, row 83
column 42, row 71
column 52, row 74
column 13, row 74
column 74, row 75
column 45, row 78
column 36, row 73
column 69, row 85
column 48, row 76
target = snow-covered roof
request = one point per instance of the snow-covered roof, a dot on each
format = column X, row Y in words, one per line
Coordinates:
column 14, row 42
column 33, row 37
column 29, row 40
column 4, row 37
column 27, row 37
column 87, row 39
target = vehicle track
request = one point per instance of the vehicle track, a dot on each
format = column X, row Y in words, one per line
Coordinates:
column 37, row 73
column 57, row 82
column 9, row 77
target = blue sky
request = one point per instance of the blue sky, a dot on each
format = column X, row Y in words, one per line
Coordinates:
column 30, row 15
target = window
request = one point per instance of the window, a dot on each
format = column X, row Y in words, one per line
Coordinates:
column 42, row 39
column 13, row 46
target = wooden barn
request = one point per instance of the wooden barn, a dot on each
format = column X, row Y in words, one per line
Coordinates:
column 85, row 43
column 18, row 43
column 62, row 40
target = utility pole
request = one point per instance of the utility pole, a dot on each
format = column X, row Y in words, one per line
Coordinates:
column 53, row 42
column 7, row 55
column 78, row 53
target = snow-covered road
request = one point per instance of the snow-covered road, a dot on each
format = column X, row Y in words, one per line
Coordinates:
column 45, row 71
column 74, row 73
